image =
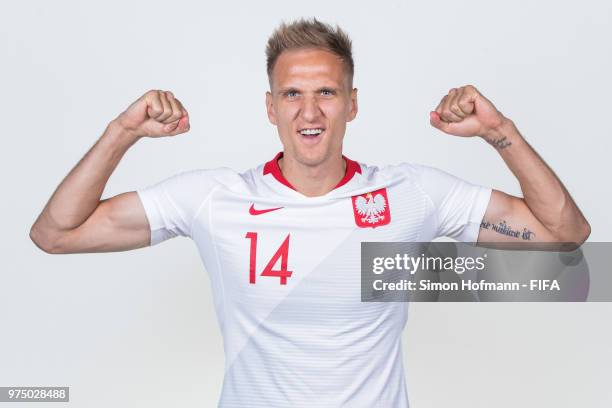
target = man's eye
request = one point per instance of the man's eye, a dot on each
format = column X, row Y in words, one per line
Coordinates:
column 327, row 92
column 291, row 94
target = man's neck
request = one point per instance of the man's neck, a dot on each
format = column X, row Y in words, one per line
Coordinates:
column 313, row 181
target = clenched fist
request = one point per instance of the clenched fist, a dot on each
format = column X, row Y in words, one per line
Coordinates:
column 464, row 111
column 156, row 113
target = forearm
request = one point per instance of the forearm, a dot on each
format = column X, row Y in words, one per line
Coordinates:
column 79, row 193
column 543, row 192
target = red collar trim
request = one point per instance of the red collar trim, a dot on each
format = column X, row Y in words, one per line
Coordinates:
column 273, row 168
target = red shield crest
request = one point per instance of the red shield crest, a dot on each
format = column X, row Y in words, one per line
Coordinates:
column 372, row 209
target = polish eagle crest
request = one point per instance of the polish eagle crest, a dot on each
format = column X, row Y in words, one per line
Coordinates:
column 371, row 208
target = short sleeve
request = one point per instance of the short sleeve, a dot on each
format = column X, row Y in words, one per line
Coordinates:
column 459, row 205
column 172, row 204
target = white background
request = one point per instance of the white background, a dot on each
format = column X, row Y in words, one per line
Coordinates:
column 138, row 329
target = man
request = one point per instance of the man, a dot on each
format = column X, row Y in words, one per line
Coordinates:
column 281, row 242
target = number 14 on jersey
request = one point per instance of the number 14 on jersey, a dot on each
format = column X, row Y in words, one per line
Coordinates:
column 282, row 252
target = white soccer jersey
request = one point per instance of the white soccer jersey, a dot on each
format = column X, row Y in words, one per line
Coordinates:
column 285, row 273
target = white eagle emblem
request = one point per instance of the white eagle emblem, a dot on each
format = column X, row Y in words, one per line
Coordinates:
column 370, row 207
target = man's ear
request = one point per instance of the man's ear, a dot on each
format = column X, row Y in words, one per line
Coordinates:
column 270, row 108
column 354, row 108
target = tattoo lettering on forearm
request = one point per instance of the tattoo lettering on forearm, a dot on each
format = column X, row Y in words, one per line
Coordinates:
column 500, row 143
column 505, row 229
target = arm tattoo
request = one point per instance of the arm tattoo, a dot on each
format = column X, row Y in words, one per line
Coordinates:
column 505, row 229
column 500, row 143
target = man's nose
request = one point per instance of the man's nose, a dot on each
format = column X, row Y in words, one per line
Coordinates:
column 310, row 109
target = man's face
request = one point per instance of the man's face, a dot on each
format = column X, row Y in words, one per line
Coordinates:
column 310, row 91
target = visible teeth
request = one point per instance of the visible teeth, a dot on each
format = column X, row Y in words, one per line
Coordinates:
column 311, row 131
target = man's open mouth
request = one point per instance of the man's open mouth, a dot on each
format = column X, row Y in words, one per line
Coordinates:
column 311, row 135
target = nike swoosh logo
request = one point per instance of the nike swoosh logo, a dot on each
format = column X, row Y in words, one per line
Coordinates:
column 253, row 211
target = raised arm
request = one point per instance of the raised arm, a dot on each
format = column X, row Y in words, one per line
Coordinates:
column 75, row 219
column 546, row 213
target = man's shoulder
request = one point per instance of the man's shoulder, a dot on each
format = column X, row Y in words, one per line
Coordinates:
column 226, row 178
column 219, row 174
column 403, row 170
column 425, row 178
column 202, row 179
column 416, row 171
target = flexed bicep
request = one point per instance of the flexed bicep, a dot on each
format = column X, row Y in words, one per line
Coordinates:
column 117, row 224
column 508, row 219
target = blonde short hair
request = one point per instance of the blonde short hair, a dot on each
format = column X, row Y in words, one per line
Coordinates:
column 310, row 33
